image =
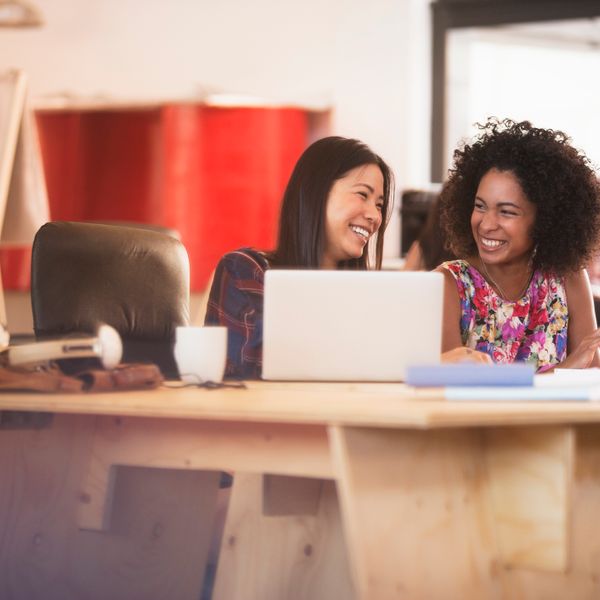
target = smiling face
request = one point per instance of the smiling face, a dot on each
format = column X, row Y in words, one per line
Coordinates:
column 353, row 214
column 502, row 219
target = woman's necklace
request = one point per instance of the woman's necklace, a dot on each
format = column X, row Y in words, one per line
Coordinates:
column 493, row 281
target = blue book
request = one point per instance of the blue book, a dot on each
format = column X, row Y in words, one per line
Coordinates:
column 470, row 374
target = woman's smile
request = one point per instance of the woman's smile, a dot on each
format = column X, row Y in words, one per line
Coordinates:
column 502, row 218
column 353, row 214
column 362, row 233
column 490, row 244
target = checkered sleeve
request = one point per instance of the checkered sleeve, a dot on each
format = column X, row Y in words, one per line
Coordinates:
column 236, row 302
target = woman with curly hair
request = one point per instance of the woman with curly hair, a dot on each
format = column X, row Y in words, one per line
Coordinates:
column 521, row 209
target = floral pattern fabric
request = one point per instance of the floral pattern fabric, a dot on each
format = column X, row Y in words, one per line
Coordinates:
column 533, row 329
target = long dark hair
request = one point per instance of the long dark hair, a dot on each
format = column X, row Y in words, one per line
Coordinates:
column 302, row 219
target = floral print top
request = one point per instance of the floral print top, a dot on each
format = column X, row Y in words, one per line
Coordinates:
column 532, row 329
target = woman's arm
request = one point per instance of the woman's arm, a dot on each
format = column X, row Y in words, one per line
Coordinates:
column 452, row 346
column 236, row 302
column 451, row 337
column 583, row 337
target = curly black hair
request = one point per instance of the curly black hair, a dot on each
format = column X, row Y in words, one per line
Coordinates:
column 555, row 176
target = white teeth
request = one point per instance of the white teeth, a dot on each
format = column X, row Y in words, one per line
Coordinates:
column 491, row 243
column 360, row 231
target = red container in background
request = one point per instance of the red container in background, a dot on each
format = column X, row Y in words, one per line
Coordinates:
column 225, row 173
column 216, row 175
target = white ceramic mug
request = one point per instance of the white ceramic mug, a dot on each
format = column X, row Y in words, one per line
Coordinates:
column 201, row 353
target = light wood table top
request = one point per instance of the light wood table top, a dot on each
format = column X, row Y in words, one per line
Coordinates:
column 364, row 404
column 498, row 499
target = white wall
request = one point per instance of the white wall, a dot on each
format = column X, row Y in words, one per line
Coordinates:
column 553, row 84
column 367, row 60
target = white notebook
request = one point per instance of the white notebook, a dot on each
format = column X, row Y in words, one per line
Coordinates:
column 562, row 385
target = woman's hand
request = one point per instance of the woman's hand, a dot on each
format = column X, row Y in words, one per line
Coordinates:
column 583, row 356
column 462, row 354
column 582, row 335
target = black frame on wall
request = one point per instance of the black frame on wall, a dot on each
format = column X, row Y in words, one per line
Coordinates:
column 457, row 14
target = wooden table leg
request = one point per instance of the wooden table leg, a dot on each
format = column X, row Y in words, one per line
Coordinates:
column 154, row 549
column 449, row 513
column 414, row 513
column 530, row 484
column 294, row 549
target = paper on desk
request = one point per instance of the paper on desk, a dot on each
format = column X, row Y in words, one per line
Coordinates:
column 569, row 378
column 562, row 385
column 565, row 393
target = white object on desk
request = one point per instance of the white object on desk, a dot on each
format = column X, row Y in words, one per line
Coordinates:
column 201, row 353
column 523, row 394
column 322, row 325
column 107, row 346
column 562, row 385
column 569, row 378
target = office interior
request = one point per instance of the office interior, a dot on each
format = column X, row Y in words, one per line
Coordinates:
column 189, row 115
column 348, row 69
column 354, row 71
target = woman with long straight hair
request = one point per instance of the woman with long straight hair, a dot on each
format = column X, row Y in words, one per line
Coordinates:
column 335, row 207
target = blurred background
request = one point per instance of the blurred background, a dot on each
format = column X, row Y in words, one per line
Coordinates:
column 190, row 114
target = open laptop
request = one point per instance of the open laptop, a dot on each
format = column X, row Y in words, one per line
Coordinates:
column 350, row 325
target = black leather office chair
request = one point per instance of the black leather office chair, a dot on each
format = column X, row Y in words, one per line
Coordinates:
column 135, row 279
column 414, row 210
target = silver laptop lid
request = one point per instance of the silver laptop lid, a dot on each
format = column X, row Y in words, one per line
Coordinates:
column 350, row 325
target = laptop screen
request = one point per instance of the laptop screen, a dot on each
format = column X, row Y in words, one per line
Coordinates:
column 350, row 325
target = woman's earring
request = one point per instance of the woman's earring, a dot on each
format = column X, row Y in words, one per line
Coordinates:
column 533, row 253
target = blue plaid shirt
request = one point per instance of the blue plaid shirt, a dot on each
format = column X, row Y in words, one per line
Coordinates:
column 236, row 302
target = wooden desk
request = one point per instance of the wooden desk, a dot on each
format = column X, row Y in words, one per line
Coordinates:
column 436, row 499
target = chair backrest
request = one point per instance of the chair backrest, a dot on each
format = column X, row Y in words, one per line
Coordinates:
column 137, row 280
column 414, row 209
